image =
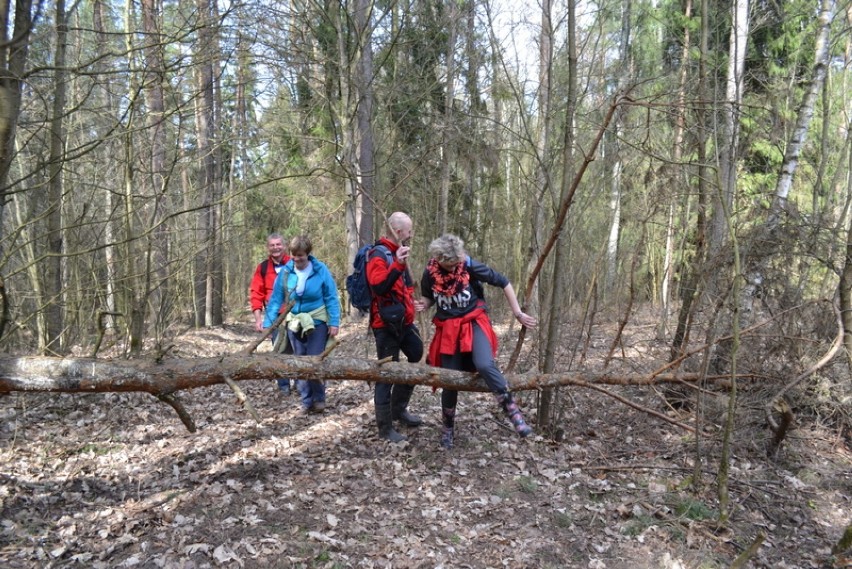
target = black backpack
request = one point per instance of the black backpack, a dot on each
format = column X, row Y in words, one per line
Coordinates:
column 357, row 286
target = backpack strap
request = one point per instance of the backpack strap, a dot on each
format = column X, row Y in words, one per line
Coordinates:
column 475, row 283
column 379, row 248
column 264, row 265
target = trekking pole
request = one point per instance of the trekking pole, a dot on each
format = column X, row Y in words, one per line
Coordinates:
column 267, row 331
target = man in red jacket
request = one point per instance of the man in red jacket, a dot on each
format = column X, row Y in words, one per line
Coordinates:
column 261, row 288
column 392, row 321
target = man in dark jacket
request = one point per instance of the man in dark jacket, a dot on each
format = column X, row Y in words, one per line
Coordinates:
column 392, row 321
column 261, row 288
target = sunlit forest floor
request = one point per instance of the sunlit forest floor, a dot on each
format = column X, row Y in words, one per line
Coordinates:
column 115, row 480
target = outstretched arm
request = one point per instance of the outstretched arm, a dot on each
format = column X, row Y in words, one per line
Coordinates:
column 523, row 318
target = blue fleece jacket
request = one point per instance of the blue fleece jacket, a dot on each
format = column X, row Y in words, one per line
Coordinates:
column 320, row 289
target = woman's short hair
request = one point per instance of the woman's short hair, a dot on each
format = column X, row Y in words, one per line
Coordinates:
column 447, row 248
column 301, row 244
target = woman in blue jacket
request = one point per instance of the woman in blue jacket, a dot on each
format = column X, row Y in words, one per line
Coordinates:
column 315, row 315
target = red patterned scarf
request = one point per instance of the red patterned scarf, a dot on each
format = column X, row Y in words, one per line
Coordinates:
column 446, row 283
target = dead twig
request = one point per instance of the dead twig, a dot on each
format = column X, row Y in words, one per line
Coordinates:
column 636, row 406
column 102, row 330
column 241, row 398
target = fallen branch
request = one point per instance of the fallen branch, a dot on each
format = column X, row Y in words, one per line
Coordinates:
column 242, row 399
column 177, row 405
column 272, row 327
column 744, row 557
column 642, row 408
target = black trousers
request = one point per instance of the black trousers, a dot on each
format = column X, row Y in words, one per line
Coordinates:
column 388, row 343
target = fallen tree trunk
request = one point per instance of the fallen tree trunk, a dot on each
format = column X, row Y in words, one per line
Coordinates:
column 165, row 378
column 78, row 375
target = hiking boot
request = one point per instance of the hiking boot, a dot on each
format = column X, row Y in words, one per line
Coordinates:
column 385, row 424
column 408, row 419
column 447, row 437
column 448, row 433
column 400, row 396
column 514, row 413
column 318, row 407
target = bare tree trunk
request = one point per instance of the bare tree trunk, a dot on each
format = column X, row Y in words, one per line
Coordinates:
column 103, row 130
column 476, row 193
column 13, row 60
column 558, row 288
column 845, row 284
column 239, row 170
column 756, row 269
column 53, row 295
column 89, row 375
column 543, row 176
column 152, row 284
column 447, row 127
column 689, row 289
column 164, row 379
column 612, row 152
column 723, row 199
column 208, row 293
column 614, row 179
column 805, row 114
column 723, row 476
column 343, row 106
column 678, row 179
column 364, row 82
column 19, row 201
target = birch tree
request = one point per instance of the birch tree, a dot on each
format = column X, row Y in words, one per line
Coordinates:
column 805, row 113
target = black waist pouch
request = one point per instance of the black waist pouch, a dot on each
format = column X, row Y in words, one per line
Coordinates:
column 393, row 315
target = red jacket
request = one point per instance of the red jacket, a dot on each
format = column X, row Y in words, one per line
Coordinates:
column 261, row 285
column 455, row 335
column 389, row 282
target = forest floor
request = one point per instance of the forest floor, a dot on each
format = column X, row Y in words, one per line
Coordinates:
column 115, row 480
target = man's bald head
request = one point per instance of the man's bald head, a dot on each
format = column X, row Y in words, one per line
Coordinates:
column 400, row 226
